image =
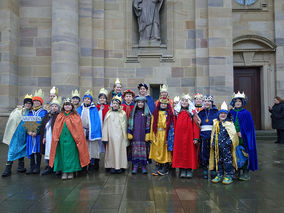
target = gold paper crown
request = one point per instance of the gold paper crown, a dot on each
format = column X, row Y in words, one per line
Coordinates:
column 198, row 95
column 176, row 99
column 224, row 106
column 239, row 95
column 56, row 100
column 103, row 91
column 54, row 90
column 27, row 96
column 117, row 81
column 75, row 93
column 39, row 93
column 117, row 98
column 164, row 88
column 89, row 92
column 186, row 96
column 163, row 100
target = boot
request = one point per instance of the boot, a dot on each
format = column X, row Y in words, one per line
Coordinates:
column 32, row 165
column 8, row 168
column 47, row 171
column 21, row 165
column 97, row 164
column 182, row 173
column 245, row 176
column 38, row 162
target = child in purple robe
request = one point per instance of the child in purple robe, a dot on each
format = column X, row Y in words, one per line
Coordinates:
column 138, row 133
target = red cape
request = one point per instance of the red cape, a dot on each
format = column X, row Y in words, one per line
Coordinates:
column 185, row 151
column 105, row 109
column 74, row 125
column 127, row 109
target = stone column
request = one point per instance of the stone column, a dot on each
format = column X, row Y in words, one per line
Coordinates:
column 9, row 30
column 200, row 34
column 279, row 38
column 220, row 49
column 65, row 52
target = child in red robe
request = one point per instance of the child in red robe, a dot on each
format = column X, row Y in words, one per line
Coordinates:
column 186, row 138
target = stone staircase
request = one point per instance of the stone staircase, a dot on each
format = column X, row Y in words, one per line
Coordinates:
column 266, row 135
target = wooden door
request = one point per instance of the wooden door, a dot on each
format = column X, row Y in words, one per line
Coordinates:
column 248, row 80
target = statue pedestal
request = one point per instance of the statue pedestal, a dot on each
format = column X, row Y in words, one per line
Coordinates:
column 149, row 43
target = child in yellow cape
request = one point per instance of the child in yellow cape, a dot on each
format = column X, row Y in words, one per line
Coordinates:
column 224, row 140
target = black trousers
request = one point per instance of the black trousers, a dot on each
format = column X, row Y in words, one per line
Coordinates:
column 280, row 135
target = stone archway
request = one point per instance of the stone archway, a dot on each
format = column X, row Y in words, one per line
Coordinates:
column 257, row 51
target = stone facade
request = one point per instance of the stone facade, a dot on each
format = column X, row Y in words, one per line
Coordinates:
column 89, row 43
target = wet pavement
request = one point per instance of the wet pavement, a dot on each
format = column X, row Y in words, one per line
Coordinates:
column 102, row 192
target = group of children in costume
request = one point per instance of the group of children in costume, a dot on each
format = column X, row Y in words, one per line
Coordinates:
column 178, row 133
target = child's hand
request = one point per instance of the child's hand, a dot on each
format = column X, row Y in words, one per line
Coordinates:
column 195, row 141
column 43, row 141
column 239, row 134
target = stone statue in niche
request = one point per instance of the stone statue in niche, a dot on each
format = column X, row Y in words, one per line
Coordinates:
column 148, row 20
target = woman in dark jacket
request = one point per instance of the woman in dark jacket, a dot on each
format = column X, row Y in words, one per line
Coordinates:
column 46, row 131
column 277, row 116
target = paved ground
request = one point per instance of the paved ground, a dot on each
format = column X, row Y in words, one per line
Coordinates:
column 102, row 192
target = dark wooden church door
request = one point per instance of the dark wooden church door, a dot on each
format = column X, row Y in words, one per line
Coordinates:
column 248, row 80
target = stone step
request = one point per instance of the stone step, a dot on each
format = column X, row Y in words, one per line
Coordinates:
column 266, row 135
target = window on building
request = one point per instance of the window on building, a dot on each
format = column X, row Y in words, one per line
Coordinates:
column 246, row 2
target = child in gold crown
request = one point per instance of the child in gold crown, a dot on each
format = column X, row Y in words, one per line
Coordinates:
column 114, row 135
column 224, row 141
column 161, row 135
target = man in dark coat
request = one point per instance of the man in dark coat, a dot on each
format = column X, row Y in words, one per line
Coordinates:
column 277, row 117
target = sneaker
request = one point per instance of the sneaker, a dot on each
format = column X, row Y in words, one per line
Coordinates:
column 144, row 170
column 64, row 176
column 70, row 175
column 217, row 179
column 189, row 173
column 112, row 171
column 135, row 170
column 227, row 180
column 182, row 173
column 244, row 177
column 155, row 172
column 163, row 171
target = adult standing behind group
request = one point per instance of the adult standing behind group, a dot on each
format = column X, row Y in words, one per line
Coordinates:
column 277, row 117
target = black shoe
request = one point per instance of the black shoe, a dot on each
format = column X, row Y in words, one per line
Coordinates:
column 36, row 171
column 21, row 166
column 276, row 142
column 47, row 171
column 91, row 167
column 97, row 164
column 112, row 171
column 7, row 171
